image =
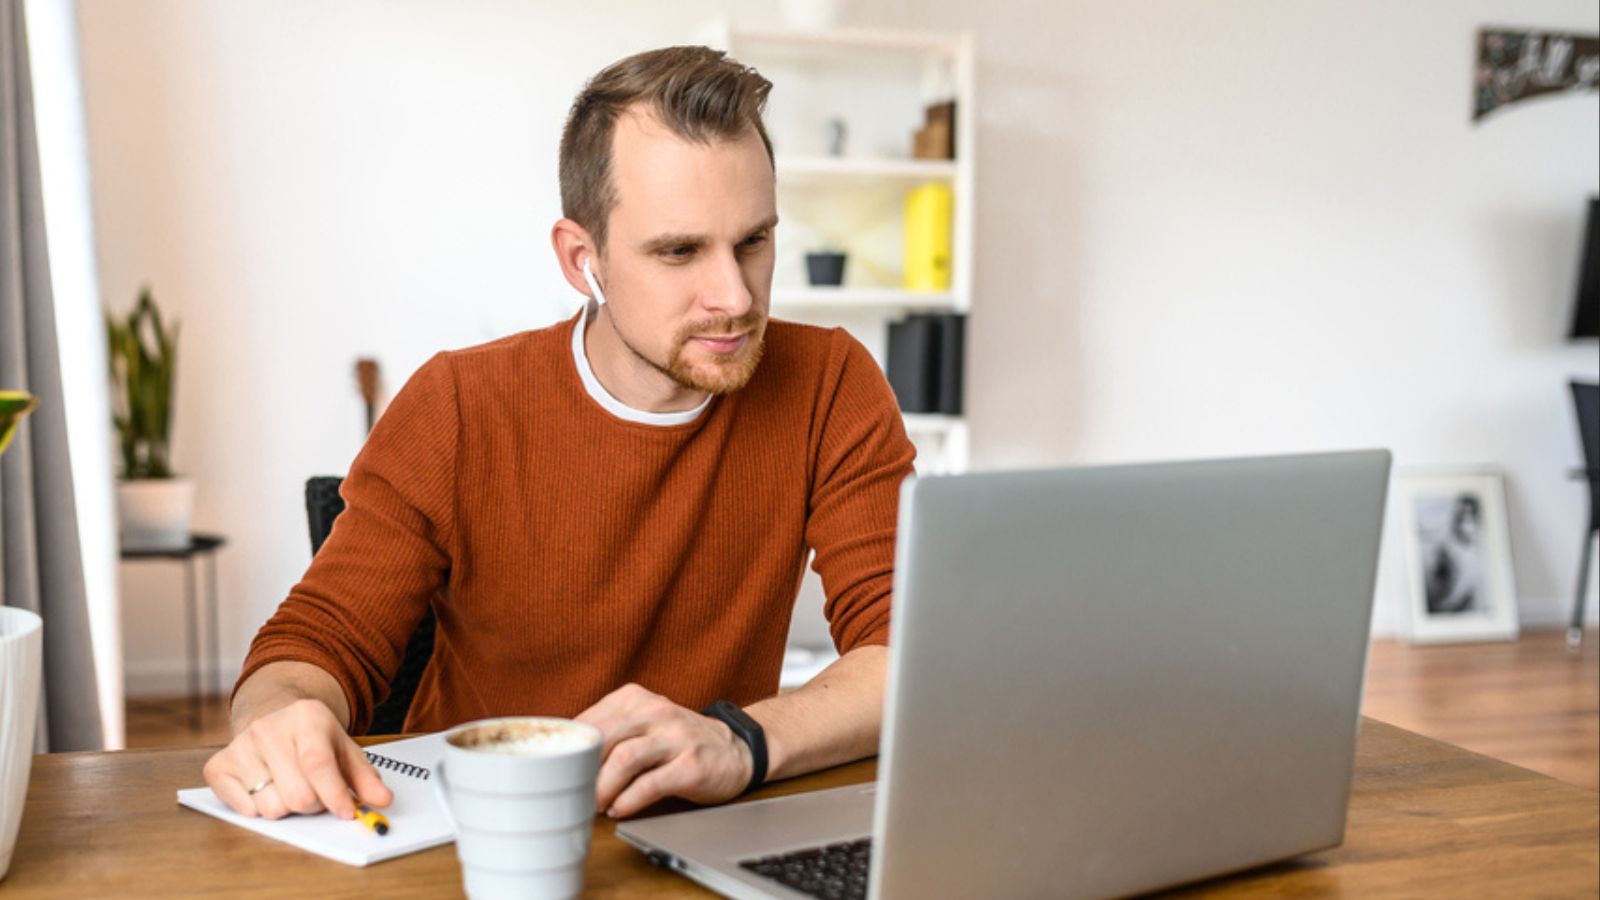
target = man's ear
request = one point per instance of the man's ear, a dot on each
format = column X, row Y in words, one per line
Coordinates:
column 573, row 245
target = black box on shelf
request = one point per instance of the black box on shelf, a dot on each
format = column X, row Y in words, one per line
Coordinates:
column 952, row 351
column 924, row 362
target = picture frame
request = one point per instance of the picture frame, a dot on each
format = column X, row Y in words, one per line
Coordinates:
column 1456, row 555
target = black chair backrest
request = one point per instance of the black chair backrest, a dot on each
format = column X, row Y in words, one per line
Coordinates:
column 1586, row 397
column 323, row 505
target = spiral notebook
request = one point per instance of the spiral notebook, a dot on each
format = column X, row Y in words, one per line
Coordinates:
column 417, row 819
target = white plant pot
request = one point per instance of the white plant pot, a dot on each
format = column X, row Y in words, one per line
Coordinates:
column 21, row 648
column 154, row 513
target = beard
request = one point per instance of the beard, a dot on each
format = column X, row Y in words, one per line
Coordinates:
column 722, row 373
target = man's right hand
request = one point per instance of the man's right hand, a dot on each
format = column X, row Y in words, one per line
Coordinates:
column 297, row 759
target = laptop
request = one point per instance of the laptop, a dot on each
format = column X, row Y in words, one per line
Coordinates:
column 1102, row 681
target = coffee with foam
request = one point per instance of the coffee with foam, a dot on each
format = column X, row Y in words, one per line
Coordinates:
column 524, row 738
column 521, row 791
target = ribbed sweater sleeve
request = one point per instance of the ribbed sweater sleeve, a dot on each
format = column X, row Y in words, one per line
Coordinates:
column 861, row 456
column 388, row 554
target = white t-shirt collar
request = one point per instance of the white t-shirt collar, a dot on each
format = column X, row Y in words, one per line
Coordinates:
column 603, row 397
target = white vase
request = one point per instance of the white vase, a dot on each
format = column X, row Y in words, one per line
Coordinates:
column 154, row 513
column 21, row 648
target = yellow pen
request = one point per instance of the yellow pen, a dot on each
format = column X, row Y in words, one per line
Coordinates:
column 372, row 819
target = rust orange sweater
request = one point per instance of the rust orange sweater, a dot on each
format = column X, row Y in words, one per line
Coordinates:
column 567, row 552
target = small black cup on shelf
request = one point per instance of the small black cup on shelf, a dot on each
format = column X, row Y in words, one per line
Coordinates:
column 825, row 269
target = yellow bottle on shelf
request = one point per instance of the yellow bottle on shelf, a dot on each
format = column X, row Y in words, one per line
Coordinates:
column 929, row 208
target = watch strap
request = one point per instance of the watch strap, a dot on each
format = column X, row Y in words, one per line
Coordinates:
column 748, row 730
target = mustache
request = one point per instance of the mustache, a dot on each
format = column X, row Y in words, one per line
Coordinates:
column 750, row 321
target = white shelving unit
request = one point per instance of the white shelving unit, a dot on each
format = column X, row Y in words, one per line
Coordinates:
column 878, row 82
column 800, row 299
column 795, row 170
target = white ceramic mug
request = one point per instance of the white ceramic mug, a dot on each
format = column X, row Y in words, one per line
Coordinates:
column 21, row 645
column 521, row 791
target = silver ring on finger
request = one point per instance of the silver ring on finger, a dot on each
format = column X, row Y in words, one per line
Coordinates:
column 260, row 786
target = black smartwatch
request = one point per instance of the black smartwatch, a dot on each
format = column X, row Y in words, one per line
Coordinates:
column 747, row 730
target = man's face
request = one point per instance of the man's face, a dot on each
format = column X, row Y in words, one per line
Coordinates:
column 687, row 266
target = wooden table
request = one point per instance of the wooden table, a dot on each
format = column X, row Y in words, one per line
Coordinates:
column 1426, row 819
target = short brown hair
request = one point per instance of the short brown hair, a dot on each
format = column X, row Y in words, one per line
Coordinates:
column 697, row 92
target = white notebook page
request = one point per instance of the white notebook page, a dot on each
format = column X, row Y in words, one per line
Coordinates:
column 417, row 820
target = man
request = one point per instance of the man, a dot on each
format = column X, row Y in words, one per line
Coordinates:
column 609, row 517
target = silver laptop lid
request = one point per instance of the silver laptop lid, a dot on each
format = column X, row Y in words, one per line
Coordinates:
column 1109, row 680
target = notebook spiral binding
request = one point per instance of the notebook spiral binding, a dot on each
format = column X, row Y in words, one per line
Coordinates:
column 395, row 765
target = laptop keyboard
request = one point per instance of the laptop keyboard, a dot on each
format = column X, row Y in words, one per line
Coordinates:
column 834, row 872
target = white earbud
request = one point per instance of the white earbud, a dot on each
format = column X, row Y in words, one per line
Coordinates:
column 594, row 285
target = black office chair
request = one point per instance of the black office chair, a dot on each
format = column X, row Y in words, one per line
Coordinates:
column 1586, row 397
column 323, row 505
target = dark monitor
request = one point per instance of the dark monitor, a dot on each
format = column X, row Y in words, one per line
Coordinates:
column 1586, row 314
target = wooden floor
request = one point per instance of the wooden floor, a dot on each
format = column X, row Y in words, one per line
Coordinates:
column 165, row 722
column 1531, row 702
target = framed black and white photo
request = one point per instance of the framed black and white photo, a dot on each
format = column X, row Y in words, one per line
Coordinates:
column 1456, row 555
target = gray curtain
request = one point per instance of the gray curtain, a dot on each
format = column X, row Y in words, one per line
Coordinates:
column 41, row 563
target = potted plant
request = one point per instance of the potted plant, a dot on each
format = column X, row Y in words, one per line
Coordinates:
column 14, row 407
column 21, row 643
column 825, row 267
column 153, row 506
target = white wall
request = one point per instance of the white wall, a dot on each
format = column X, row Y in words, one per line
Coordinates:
column 1229, row 227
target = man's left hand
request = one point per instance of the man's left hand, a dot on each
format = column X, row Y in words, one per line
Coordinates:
column 655, row 748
